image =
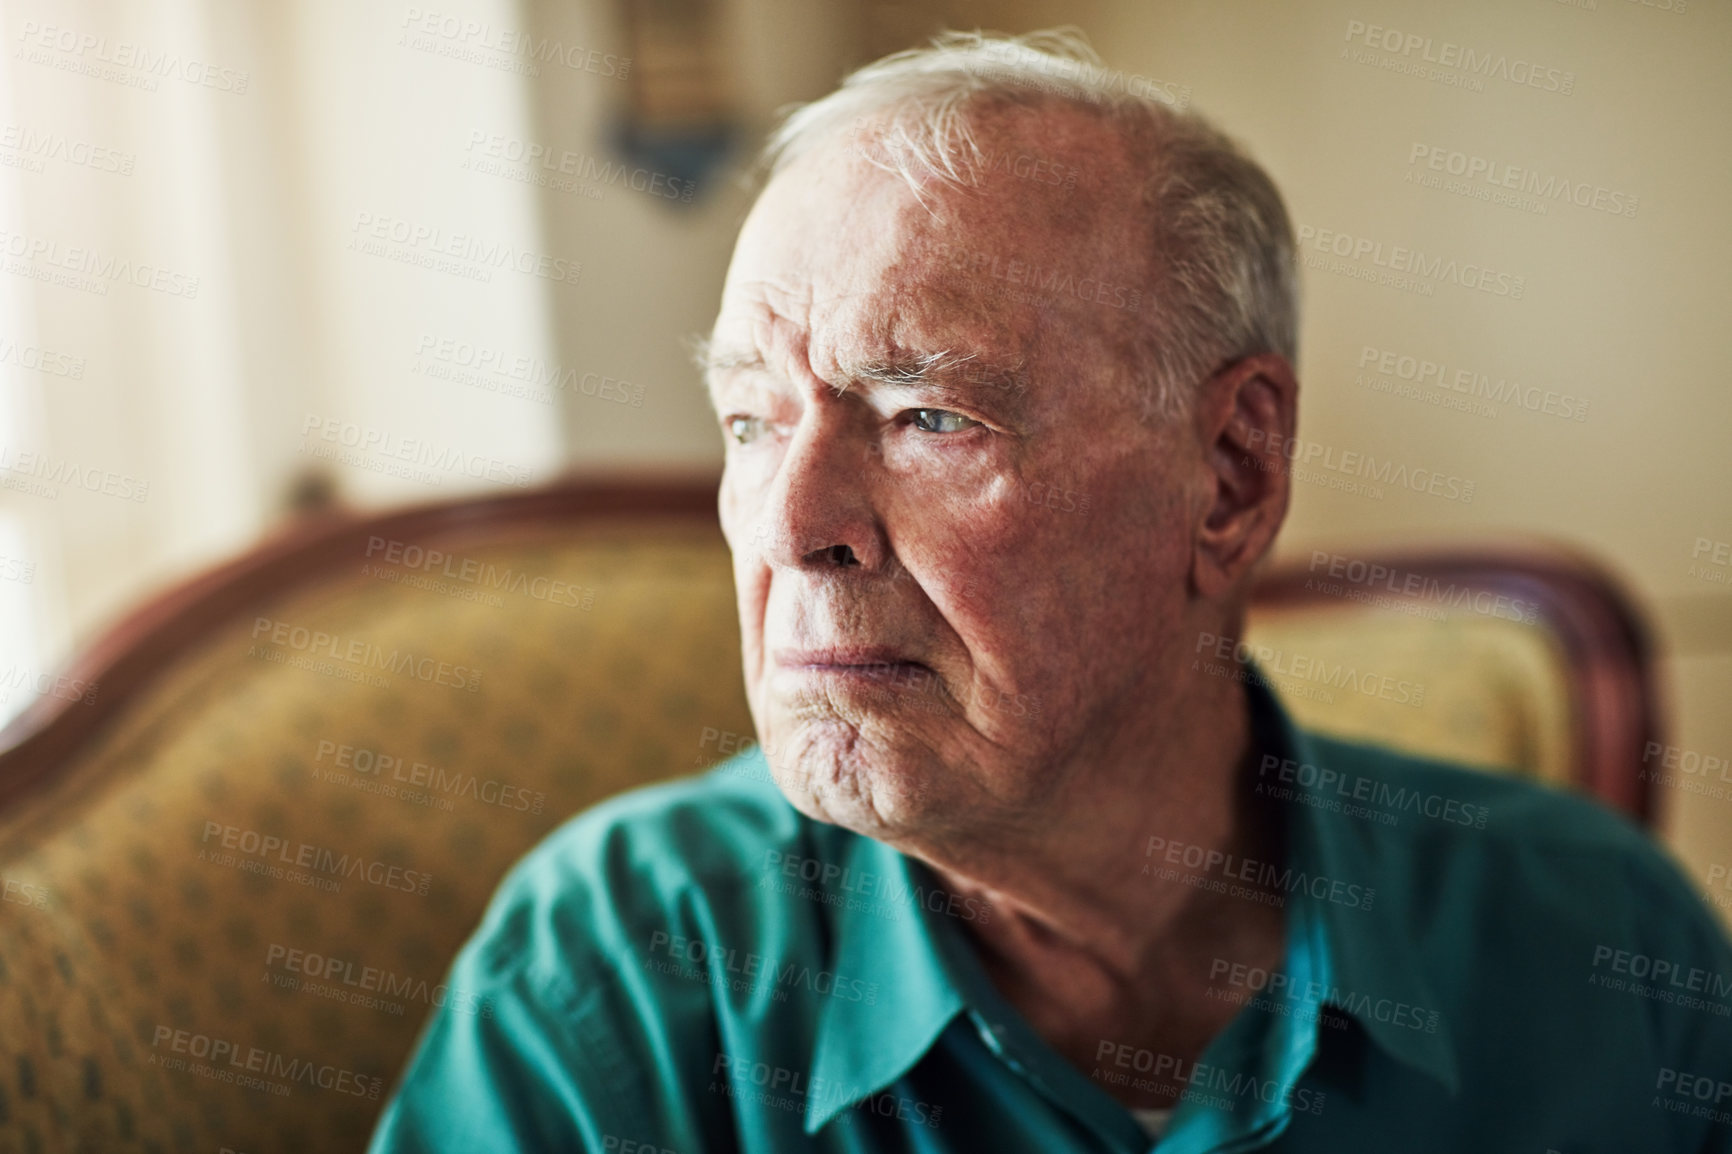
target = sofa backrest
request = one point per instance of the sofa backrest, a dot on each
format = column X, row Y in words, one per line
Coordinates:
column 231, row 897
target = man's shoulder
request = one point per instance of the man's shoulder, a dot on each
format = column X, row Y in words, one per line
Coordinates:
column 659, row 859
column 708, row 826
column 1449, row 794
column 1538, row 846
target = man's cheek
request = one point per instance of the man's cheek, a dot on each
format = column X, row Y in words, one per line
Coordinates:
column 742, row 531
column 752, row 598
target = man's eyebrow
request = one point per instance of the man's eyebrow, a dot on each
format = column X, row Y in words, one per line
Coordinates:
column 947, row 372
column 963, row 374
column 711, row 360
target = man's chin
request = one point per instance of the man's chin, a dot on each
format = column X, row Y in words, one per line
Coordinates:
column 832, row 773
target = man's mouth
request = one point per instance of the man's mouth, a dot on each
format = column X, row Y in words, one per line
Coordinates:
column 867, row 662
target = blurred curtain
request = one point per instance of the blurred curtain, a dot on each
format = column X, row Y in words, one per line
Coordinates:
column 237, row 239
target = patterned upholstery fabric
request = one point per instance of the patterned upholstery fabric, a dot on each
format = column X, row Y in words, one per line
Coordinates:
column 226, row 924
column 150, row 925
column 1483, row 691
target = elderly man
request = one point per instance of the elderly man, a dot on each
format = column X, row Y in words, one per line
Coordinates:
column 1000, row 360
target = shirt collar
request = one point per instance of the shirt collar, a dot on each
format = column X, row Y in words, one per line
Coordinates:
column 1356, row 960
column 1373, row 964
column 880, row 898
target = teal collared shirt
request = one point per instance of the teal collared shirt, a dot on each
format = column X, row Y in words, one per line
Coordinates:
column 1472, row 964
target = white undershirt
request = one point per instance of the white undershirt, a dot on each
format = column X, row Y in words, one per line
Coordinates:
column 1153, row 1121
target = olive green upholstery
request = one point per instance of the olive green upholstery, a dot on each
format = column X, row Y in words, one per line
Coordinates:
column 157, row 987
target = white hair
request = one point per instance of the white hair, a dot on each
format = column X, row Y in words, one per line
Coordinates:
column 1224, row 284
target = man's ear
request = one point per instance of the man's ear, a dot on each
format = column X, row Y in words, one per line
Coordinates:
column 1245, row 417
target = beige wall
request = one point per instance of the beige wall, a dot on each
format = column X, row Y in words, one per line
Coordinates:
column 1621, row 311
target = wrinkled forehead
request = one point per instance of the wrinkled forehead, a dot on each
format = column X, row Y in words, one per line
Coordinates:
column 1045, row 242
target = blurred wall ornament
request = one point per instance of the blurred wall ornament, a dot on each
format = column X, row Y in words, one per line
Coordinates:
column 680, row 119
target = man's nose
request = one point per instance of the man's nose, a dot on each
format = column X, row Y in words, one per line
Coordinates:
column 818, row 513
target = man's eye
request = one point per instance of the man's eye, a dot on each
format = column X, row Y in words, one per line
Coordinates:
column 942, row 421
column 745, row 430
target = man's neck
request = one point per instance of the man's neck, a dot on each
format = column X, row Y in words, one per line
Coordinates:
column 1101, row 932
